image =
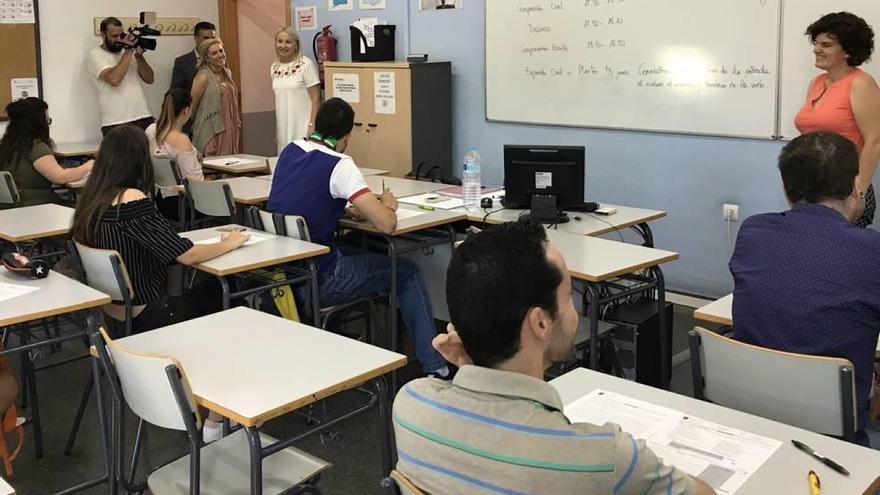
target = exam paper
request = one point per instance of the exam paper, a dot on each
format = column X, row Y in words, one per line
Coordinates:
column 433, row 200
column 723, row 457
column 404, row 214
column 9, row 291
column 255, row 238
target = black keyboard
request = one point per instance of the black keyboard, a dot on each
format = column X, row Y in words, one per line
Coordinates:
column 587, row 207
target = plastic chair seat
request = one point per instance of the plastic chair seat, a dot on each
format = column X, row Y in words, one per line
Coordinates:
column 225, row 469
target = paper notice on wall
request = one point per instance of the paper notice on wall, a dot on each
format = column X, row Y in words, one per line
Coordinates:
column 385, row 94
column 347, row 87
column 336, row 5
column 373, row 4
column 17, row 12
column 24, row 87
column 306, row 18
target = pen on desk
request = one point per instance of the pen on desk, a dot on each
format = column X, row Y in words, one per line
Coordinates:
column 813, row 479
column 821, row 458
column 427, row 207
column 383, row 185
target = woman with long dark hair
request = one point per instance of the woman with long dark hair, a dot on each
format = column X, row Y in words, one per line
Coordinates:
column 116, row 211
column 26, row 151
column 167, row 140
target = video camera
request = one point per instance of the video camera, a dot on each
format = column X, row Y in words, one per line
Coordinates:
column 139, row 32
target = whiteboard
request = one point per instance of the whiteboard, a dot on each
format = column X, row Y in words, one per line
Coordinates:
column 695, row 66
column 797, row 55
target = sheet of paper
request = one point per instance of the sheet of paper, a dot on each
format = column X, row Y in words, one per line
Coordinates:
column 367, row 25
column 404, row 214
column 721, row 456
column 347, row 87
column 306, row 18
column 255, row 238
column 9, row 291
column 337, row 5
column 17, row 12
column 434, row 200
column 225, row 161
column 24, row 87
column 384, row 92
column 373, row 4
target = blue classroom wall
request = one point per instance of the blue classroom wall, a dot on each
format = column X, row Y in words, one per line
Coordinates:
column 688, row 176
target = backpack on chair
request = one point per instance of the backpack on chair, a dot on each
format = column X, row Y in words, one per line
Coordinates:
column 9, row 420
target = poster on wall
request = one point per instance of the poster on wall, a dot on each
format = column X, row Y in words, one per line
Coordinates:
column 16, row 11
column 384, row 93
column 347, row 87
column 337, row 5
column 306, row 18
column 24, row 87
column 439, row 4
column 373, row 4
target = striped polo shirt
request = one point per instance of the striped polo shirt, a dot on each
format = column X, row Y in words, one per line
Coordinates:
column 492, row 431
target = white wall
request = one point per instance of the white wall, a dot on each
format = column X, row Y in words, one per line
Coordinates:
column 66, row 36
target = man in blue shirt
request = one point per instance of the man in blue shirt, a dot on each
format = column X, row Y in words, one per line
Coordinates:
column 314, row 179
column 807, row 280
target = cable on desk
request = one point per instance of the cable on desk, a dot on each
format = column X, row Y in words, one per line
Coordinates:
column 615, row 227
column 487, row 213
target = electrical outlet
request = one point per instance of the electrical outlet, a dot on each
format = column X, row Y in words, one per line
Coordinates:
column 730, row 212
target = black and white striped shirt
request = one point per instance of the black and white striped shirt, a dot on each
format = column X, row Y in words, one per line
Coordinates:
column 147, row 243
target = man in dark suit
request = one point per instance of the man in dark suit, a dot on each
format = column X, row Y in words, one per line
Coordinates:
column 186, row 65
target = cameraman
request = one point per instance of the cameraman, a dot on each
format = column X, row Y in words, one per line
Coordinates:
column 120, row 94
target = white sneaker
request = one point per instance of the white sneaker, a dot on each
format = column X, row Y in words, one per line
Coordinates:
column 211, row 431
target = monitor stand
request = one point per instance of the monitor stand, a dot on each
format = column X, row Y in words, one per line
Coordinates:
column 544, row 210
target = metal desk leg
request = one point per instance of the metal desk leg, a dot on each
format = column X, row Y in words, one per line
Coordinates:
column 392, row 306
column 32, row 393
column 388, row 452
column 256, row 449
column 224, row 287
column 102, row 421
column 591, row 298
column 647, row 234
column 316, row 296
column 664, row 341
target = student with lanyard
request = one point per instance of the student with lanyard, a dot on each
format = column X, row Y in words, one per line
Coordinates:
column 314, row 179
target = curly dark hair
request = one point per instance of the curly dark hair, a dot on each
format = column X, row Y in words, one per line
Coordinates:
column 852, row 32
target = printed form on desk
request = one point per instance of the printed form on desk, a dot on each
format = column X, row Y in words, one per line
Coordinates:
column 722, row 457
column 254, row 239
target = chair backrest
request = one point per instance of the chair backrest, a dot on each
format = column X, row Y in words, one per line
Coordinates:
column 148, row 387
column 271, row 162
column 166, row 173
column 212, row 198
column 105, row 271
column 287, row 225
column 404, row 485
column 811, row 392
column 8, row 190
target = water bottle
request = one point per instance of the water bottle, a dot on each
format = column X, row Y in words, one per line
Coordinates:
column 471, row 180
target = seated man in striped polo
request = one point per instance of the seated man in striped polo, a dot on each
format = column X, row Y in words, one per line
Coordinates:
column 497, row 427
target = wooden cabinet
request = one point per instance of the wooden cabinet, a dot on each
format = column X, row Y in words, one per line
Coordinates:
column 403, row 113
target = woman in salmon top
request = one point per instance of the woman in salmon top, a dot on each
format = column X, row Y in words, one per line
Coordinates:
column 845, row 99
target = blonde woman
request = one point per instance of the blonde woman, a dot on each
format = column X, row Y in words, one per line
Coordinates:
column 217, row 122
column 297, row 89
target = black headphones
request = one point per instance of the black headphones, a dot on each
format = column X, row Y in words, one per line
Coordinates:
column 330, row 142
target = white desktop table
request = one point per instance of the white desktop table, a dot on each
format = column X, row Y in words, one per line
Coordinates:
column 78, row 149
column 784, row 472
column 28, row 223
column 237, row 164
column 719, row 311
column 253, row 367
column 245, row 190
column 277, row 250
column 402, row 187
column 594, row 260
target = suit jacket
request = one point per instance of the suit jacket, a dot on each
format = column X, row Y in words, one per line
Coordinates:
column 184, row 71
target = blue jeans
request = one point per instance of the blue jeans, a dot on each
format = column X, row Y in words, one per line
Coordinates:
column 358, row 273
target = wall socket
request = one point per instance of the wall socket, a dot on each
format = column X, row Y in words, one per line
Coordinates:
column 730, row 212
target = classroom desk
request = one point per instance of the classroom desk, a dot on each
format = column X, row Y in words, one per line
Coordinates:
column 276, row 251
column 5, row 488
column 28, row 223
column 784, row 472
column 589, row 223
column 366, row 172
column 76, row 150
column 596, row 261
column 415, row 233
column 721, row 311
column 402, row 187
column 57, row 295
column 249, row 164
column 253, row 367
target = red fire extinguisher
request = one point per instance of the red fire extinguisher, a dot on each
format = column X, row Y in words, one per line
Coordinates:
column 324, row 47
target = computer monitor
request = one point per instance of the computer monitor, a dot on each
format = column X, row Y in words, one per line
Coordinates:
column 544, row 179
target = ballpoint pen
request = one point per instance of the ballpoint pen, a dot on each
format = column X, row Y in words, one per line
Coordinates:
column 821, row 458
column 813, row 479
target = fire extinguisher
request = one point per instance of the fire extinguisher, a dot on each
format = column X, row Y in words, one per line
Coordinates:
column 324, row 47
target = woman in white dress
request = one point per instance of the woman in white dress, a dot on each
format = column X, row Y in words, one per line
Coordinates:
column 297, row 91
